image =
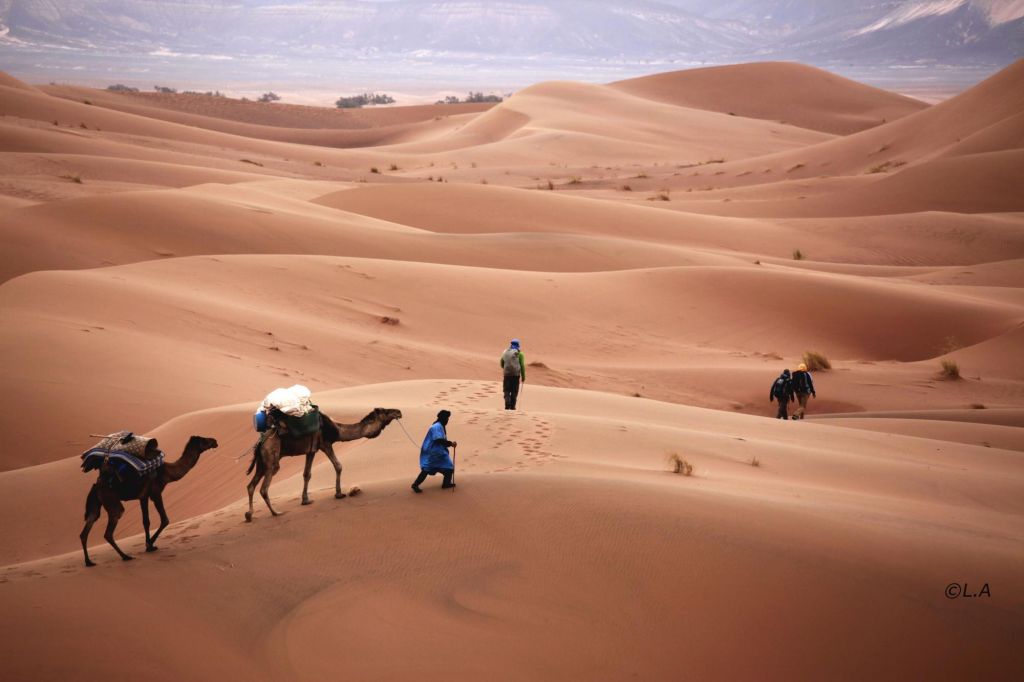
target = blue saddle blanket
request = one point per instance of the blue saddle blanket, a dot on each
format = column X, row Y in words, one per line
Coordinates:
column 120, row 460
column 125, row 453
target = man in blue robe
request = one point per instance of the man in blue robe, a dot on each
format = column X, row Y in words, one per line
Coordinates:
column 434, row 457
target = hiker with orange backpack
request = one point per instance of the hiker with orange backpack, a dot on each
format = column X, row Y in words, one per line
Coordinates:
column 803, row 387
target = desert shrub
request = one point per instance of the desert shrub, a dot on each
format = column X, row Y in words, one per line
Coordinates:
column 815, row 361
column 625, row 188
column 374, row 169
column 663, row 195
column 551, row 185
column 317, row 163
column 255, row 163
column 73, row 177
column 118, row 87
column 269, row 97
column 977, row 406
column 950, row 369
column 796, row 167
column 575, row 180
column 164, row 90
column 392, row 321
column 367, row 98
column 678, row 465
column 393, row 167
column 798, row 254
column 755, row 462
column 481, row 97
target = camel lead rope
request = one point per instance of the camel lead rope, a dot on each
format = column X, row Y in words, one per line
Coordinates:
column 407, row 434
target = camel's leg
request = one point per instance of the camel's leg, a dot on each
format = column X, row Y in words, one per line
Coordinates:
column 114, row 511
column 144, row 506
column 265, row 488
column 92, row 514
column 252, row 488
column 306, row 474
column 329, row 450
column 158, row 502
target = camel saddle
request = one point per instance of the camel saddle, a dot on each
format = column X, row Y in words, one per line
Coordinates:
column 303, row 425
column 122, row 450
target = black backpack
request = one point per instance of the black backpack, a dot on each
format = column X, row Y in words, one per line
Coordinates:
column 801, row 383
column 780, row 389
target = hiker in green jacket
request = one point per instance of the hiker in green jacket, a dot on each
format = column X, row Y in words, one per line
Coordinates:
column 514, row 364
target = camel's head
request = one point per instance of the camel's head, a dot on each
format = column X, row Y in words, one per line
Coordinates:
column 201, row 444
column 386, row 415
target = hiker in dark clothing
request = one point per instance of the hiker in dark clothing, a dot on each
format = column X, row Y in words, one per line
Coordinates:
column 803, row 387
column 782, row 391
column 434, row 457
column 514, row 364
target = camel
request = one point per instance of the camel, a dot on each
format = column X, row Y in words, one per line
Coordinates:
column 107, row 493
column 267, row 453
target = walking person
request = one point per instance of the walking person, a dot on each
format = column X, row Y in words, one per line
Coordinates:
column 803, row 387
column 434, row 457
column 782, row 391
column 514, row 365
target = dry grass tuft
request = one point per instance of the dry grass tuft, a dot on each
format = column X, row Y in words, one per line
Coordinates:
column 255, row 163
column 798, row 254
column 393, row 167
column 393, row 321
column 950, row 370
column 977, row 406
column 678, row 465
column 883, row 167
column 73, row 177
column 796, row 167
column 374, row 169
column 755, row 462
column 815, row 361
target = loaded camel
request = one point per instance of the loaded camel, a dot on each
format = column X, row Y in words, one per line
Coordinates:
column 267, row 453
column 108, row 492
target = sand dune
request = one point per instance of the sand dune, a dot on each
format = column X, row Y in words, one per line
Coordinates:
column 978, row 183
column 777, row 91
column 169, row 311
column 169, row 260
column 583, row 114
column 560, row 540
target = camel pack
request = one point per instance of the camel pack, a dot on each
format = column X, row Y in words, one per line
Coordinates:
column 125, row 454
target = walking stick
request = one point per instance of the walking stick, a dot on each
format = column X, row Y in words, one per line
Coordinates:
column 455, row 450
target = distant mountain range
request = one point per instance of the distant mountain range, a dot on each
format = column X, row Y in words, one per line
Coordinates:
column 710, row 31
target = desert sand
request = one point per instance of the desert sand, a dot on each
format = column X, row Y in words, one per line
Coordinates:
column 663, row 246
